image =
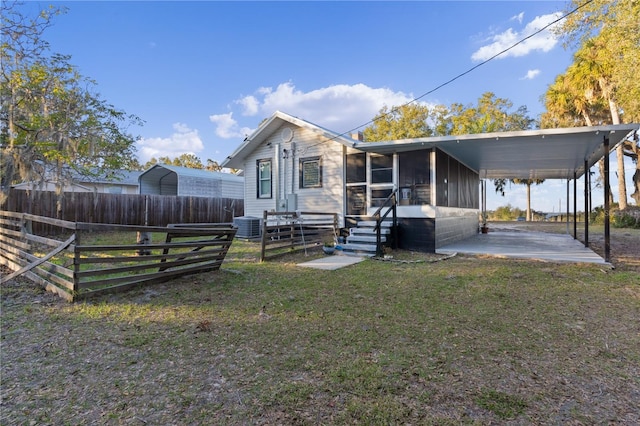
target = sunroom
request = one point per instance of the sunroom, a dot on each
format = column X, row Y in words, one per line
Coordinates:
column 437, row 195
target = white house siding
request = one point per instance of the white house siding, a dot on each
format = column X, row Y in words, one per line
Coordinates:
column 254, row 206
column 114, row 188
column 305, row 143
column 330, row 197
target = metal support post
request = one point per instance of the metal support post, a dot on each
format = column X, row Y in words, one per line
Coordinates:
column 587, row 213
column 575, row 205
column 607, row 207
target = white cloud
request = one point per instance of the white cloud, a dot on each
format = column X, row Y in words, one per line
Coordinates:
column 544, row 41
column 340, row 107
column 531, row 74
column 183, row 140
column 250, row 104
column 227, row 126
column 519, row 17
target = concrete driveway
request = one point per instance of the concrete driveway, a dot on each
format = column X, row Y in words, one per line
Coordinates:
column 526, row 245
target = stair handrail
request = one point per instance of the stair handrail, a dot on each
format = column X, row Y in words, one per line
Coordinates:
column 392, row 199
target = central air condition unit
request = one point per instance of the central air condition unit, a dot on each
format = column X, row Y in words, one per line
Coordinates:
column 248, row 226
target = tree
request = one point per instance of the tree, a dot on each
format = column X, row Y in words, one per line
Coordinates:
column 188, row 160
column 570, row 101
column 213, row 166
column 594, row 57
column 574, row 99
column 528, row 183
column 53, row 126
column 490, row 114
column 609, row 38
column 403, row 122
column 183, row 160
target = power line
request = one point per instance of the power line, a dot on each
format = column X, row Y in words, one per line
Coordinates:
column 446, row 83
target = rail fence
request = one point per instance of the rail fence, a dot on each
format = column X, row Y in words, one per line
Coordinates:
column 287, row 232
column 75, row 265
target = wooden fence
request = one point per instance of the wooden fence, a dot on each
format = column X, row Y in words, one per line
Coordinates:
column 74, row 267
column 126, row 209
column 286, row 232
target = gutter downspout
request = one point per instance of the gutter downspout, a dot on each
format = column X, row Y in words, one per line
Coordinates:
column 276, row 172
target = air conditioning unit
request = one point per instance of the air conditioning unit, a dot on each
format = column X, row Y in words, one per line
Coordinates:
column 248, row 226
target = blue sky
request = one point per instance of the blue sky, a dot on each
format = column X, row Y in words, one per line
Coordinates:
column 203, row 74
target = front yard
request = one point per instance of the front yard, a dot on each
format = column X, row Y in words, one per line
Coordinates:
column 464, row 340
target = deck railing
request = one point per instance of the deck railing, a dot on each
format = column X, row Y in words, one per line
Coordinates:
column 287, row 232
column 390, row 203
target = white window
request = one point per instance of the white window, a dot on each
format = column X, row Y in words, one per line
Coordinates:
column 264, row 178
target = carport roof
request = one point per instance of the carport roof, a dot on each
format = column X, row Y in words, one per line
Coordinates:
column 529, row 154
column 159, row 171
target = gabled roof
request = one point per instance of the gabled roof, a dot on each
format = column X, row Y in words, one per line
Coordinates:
column 93, row 176
column 266, row 129
column 528, row 154
column 160, row 170
column 121, row 177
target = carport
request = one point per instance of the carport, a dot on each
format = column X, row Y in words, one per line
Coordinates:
column 564, row 153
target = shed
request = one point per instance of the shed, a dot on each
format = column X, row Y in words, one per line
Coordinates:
column 163, row 179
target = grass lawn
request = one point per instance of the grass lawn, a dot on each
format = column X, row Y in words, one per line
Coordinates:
column 467, row 340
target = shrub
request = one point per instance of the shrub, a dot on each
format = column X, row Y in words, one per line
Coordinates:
column 627, row 218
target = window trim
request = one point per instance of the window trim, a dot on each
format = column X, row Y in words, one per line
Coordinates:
column 259, row 179
column 373, row 170
column 301, row 180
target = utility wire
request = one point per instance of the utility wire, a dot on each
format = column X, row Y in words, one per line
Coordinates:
column 446, row 83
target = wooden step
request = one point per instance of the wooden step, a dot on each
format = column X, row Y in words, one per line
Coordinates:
column 366, row 230
column 373, row 223
column 365, row 238
column 364, row 249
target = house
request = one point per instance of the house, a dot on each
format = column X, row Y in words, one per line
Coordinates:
column 293, row 165
column 118, row 182
column 163, row 179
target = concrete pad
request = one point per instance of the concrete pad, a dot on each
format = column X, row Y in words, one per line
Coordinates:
column 331, row 263
column 526, row 245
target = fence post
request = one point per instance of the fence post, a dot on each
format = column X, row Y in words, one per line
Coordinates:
column 264, row 236
column 294, row 217
column 76, row 263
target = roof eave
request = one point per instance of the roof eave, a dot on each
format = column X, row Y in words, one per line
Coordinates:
column 236, row 159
